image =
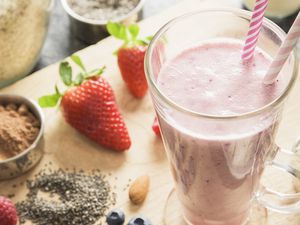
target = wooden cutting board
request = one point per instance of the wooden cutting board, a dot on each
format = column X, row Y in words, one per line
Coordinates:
column 66, row 148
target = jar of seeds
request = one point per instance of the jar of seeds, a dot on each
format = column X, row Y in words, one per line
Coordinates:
column 23, row 28
column 88, row 18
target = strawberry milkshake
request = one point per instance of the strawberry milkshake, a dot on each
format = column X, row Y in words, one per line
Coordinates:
column 217, row 165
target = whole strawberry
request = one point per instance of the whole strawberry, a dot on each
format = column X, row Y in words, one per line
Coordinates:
column 8, row 212
column 131, row 57
column 89, row 106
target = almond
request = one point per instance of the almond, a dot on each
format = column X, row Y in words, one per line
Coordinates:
column 139, row 189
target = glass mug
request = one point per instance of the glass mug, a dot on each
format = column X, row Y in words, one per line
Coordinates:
column 217, row 161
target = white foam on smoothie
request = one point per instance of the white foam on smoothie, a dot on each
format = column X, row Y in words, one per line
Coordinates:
column 211, row 78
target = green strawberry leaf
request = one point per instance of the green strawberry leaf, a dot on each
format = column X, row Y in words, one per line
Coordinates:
column 96, row 72
column 149, row 38
column 145, row 41
column 141, row 42
column 116, row 52
column 113, row 29
column 124, row 33
column 134, row 31
column 76, row 59
column 117, row 30
column 65, row 72
column 127, row 33
column 93, row 71
column 120, row 31
column 57, row 90
column 79, row 79
column 49, row 100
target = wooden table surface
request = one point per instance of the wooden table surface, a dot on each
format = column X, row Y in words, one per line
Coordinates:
column 66, row 148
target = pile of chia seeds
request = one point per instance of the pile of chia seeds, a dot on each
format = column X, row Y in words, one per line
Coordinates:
column 102, row 9
column 73, row 198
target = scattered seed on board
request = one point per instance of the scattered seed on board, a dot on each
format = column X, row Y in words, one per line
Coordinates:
column 83, row 198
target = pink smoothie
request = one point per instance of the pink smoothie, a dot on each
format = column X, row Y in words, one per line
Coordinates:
column 217, row 164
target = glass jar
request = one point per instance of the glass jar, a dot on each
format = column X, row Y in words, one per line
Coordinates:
column 23, row 28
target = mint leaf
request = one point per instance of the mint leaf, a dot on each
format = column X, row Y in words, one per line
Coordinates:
column 65, row 72
column 76, row 59
column 134, row 31
column 79, row 79
column 49, row 100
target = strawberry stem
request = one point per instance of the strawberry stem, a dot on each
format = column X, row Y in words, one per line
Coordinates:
column 65, row 72
column 129, row 34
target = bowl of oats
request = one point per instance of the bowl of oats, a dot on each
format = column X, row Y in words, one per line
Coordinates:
column 23, row 28
column 88, row 19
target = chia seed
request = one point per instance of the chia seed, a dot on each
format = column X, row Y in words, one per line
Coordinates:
column 11, row 195
column 73, row 198
column 102, row 9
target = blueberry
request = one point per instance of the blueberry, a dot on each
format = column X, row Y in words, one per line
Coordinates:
column 139, row 221
column 115, row 217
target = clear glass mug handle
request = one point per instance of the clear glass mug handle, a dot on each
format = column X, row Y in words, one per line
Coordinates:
column 289, row 162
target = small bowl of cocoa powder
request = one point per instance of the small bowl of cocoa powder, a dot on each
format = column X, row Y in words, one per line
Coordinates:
column 21, row 135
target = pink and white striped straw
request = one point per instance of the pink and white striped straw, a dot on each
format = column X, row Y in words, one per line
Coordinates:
column 254, row 29
column 284, row 52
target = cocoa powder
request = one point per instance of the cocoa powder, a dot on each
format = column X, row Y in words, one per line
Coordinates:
column 18, row 129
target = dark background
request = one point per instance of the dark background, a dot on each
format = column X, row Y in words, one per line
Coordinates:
column 60, row 42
